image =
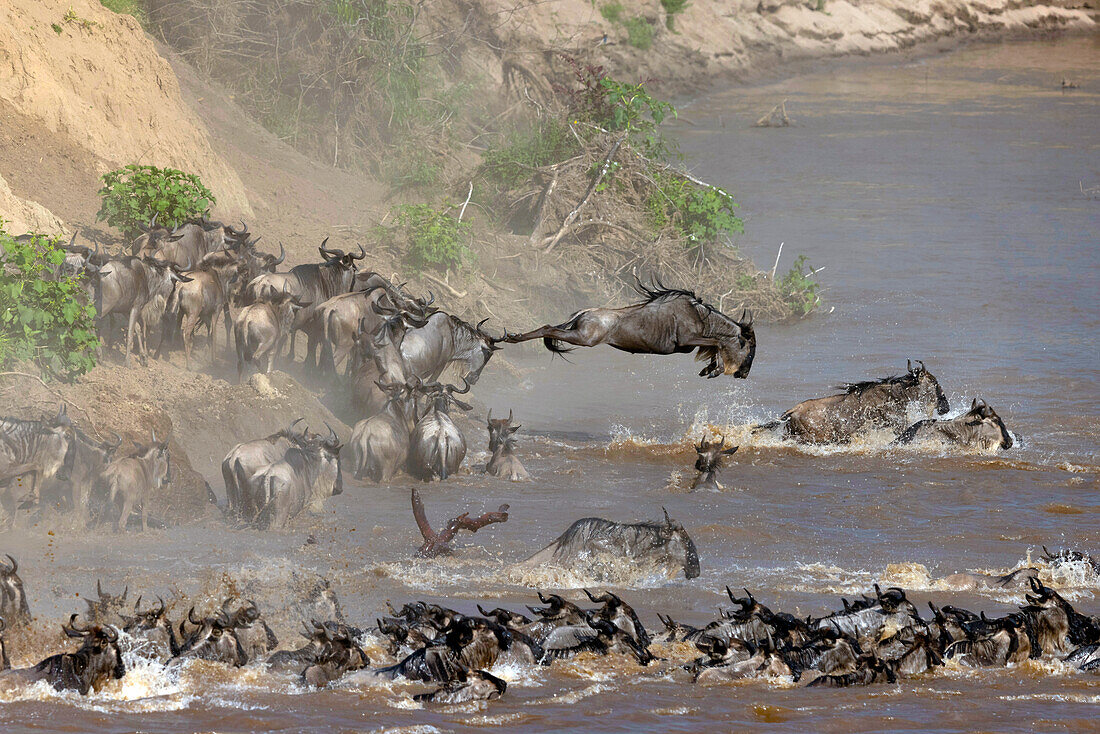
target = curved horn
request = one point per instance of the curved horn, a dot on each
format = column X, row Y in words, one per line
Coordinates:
column 98, row 588
column 110, row 633
column 137, row 605
column 542, row 598
column 72, row 630
column 282, row 254
column 466, row 387
column 191, row 617
column 14, row 565
column 117, row 443
column 162, row 608
column 668, row 520
column 360, row 256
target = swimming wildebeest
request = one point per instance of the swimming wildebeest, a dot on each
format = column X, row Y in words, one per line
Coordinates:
column 663, row 544
column 709, row 462
column 153, row 628
column 881, row 403
column 245, row 459
column 13, row 599
column 261, row 329
column 307, row 475
column 128, row 483
column 40, row 449
column 97, row 661
column 211, row 638
column 980, row 427
column 436, row 446
column 668, row 321
column 312, row 283
column 502, row 445
column 445, row 340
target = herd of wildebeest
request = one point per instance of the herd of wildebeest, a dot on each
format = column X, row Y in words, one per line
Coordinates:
column 393, row 348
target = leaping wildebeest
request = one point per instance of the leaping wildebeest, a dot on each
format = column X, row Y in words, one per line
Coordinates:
column 882, row 403
column 980, row 427
column 668, row 321
column 38, row 449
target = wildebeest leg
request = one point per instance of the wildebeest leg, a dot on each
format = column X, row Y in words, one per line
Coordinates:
column 130, row 325
column 124, row 516
column 189, row 327
column 583, row 336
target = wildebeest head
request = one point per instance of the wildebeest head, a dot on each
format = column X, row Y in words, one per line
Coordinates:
column 13, row 599
column 345, row 261
column 929, row 392
column 680, row 545
column 146, row 619
column 501, row 430
column 329, row 448
column 987, row 426
column 106, row 607
column 709, row 459
column 100, row 651
column 58, row 442
column 159, row 461
column 558, row 608
column 212, row 638
column 736, row 342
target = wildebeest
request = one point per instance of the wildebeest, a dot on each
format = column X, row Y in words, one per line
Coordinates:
column 473, row 685
column 666, row 545
column 245, row 459
column 153, row 628
column 709, row 462
column 339, row 654
column 502, row 446
column 194, row 239
column 128, row 483
column 91, row 457
column 378, row 360
column 107, row 608
column 668, row 321
column 342, row 318
column 39, row 449
column 445, row 340
column 211, row 638
column 881, row 403
column 379, row 445
column 261, row 329
column 312, row 283
column 307, row 474
column 199, row 301
column 127, row 286
column 979, row 427
column 436, row 446
column 256, row 637
column 13, row 599
column 1005, row 642
column 97, row 661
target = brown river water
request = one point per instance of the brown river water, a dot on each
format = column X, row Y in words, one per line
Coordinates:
column 942, row 197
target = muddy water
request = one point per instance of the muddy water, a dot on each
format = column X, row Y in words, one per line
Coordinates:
column 941, row 196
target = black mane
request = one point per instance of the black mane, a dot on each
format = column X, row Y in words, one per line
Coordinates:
column 858, row 388
column 657, row 291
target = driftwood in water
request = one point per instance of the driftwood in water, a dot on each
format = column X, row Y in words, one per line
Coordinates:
column 439, row 543
column 776, row 118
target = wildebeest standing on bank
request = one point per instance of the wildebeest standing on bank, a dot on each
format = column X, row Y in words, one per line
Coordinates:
column 128, row 483
column 311, row 283
column 38, row 449
column 245, row 459
column 128, row 286
column 307, row 475
column 445, row 340
column 13, row 599
column 668, row 321
column 97, row 661
column 261, row 329
column 91, row 457
column 881, row 403
column 502, row 446
column 980, row 427
column 665, row 544
column 436, row 446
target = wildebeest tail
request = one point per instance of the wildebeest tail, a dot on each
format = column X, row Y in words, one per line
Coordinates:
column 910, row 433
column 772, row 425
column 441, row 457
column 555, row 345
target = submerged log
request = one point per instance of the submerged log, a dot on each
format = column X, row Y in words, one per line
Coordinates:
column 436, row 544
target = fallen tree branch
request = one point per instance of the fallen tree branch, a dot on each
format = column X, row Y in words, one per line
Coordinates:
column 444, row 285
column 436, row 544
column 552, row 242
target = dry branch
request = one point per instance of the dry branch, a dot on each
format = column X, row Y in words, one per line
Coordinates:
column 439, row 543
column 553, row 241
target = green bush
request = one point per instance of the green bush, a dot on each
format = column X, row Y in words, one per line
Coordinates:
column 799, row 289
column 702, row 214
column 612, row 12
column 410, row 167
column 43, row 317
column 126, row 7
column 434, row 236
column 639, row 33
column 509, row 163
column 132, row 195
column 672, row 7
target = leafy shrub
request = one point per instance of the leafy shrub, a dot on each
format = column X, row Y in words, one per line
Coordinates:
column 410, row 167
column 672, row 7
column 43, row 318
column 702, row 214
column 126, row 7
column 799, row 289
column 434, row 236
column 132, row 195
column 639, row 33
column 509, row 163
column 612, row 12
